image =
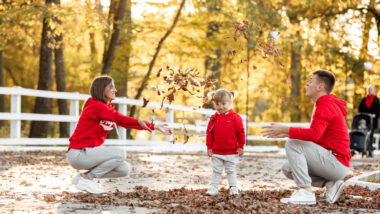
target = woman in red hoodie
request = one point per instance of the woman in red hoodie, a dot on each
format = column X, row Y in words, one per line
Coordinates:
column 225, row 141
column 320, row 155
column 96, row 121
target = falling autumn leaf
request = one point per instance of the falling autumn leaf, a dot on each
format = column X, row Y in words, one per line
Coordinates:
column 245, row 28
column 174, row 140
column 162, row 102
column 159, row 72
column 186, row 138
column 145, row 102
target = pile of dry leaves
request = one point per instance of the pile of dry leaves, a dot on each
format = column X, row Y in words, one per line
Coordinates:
column 195, row 201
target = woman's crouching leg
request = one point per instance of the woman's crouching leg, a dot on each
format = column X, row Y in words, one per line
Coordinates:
column 287, row 170
column 121, row 171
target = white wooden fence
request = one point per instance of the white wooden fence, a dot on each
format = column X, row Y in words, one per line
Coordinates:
column 16, row 116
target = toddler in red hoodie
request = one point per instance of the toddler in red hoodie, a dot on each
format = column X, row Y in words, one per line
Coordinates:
column 98, row 118
column 225, row 140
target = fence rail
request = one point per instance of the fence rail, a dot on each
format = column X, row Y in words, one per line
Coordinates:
column 15, row 116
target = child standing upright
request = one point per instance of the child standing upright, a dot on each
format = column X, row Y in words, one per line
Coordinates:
column 225, row 141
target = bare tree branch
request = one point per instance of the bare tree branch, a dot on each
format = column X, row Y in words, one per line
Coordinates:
column 147, row 75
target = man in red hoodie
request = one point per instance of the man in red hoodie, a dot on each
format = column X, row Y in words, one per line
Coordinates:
column 318, row 156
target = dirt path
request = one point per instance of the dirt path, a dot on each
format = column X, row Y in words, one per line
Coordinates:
column 39, row 182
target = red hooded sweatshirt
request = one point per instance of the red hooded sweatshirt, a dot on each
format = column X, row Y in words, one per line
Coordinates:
column 328, row 128
column 225, row 133
column 96, row 121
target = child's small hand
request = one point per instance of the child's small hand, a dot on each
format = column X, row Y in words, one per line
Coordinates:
column 163, row 129
column 240, row 152
column 209, row 152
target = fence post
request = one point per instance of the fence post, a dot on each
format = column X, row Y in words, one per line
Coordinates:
column 169, row 119
column 152, row 134
column 74, row 111
column 16, row 109
column 122, row 108
column 198, row 125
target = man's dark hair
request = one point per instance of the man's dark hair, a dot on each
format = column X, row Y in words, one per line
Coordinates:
column 327, row 78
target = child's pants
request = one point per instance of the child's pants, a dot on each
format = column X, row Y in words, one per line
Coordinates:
column 102, row 162
column 228, row 162
column 311, row 165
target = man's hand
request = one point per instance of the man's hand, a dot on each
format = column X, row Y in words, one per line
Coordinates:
column 209, row 152
column 275, row 131
column 142, row 123
column 240, row 152
column 162, row 128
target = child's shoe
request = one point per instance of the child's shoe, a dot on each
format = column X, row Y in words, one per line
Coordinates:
column 212, row 191
column 233, row 190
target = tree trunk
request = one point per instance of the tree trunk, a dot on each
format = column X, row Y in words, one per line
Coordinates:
column 93, row 47
column 42, row 106
column 213, row 60
column 358, row 70
column 152, row 62
column 126, row 48
column 93, row 50
column 9, row 72
column 2, row 97
column 107, row 31
column 295, row 77
column 124, row 60
column 110, row 52
column 64, row 127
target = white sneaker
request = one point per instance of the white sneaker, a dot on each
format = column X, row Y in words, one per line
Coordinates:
column 300, row 196
column 88, row 186
column 334, row 190
column 76, row 178
column 233, row 191
column 212, row 191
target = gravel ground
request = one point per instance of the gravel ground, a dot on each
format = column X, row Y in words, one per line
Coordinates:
column 39, row 182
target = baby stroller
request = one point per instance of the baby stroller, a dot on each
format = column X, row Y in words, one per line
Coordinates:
column 360, row 135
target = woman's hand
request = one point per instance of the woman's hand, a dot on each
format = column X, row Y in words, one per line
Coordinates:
column 240, row 152
column 209, row 152
column 275, row 131
column 142, row 123
column 162, row 128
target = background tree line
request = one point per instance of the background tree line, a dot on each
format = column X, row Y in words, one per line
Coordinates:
column 62, row 46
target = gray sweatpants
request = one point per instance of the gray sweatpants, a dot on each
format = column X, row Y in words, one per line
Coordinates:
column 101, row 162
column 311, row 165
column 228, row 162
